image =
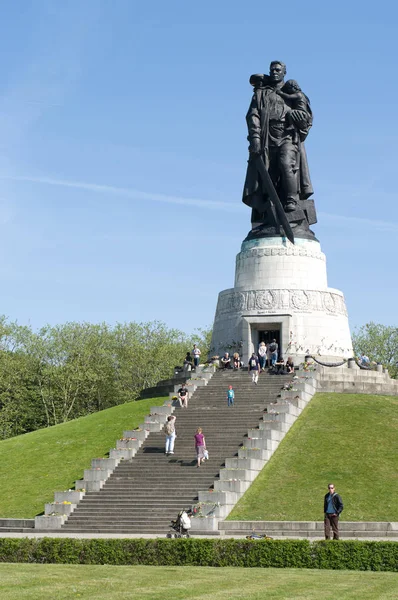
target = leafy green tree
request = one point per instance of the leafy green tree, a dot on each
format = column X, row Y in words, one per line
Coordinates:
column 20, row 410
column 379, row 343
column 147, row 353
column 75, row 369
column 65, row 371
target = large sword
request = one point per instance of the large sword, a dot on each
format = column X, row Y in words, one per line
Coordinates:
column 274, row 198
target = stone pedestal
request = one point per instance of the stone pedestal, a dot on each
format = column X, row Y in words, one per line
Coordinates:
column 282, row 287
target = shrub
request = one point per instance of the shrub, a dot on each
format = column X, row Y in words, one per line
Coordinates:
column 356, row 556
column 352, row 555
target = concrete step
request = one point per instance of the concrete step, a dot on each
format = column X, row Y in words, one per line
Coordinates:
column 17, row 523
column 159, row 530
column 17, row 530
column 127, row 509
column 122, row 520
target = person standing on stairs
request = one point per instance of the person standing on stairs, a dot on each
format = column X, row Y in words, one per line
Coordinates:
column 254, row 368
column 230, row 396
column 262, row 355
column 200, row 446
column 196, row 355
column 273, row 349
column 170, row 432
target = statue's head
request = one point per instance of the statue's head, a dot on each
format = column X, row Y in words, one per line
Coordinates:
column 291, row 86
column 277, row 71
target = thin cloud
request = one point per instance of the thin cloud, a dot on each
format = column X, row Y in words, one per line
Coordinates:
column 132, row 193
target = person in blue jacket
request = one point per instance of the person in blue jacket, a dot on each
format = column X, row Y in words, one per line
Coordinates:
column 230, row 396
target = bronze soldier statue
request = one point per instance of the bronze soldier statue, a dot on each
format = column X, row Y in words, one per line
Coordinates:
column 278, row 120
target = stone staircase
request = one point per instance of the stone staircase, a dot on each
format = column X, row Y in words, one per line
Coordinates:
column 144, row 493
column 126, row 495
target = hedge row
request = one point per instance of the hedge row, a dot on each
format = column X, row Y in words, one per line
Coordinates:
column 353, row 555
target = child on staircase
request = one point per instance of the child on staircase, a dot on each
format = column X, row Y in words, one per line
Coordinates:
column 230, row 396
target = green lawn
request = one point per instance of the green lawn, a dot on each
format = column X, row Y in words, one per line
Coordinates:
column 35, row 465
column 63, row 582
column 348, row 439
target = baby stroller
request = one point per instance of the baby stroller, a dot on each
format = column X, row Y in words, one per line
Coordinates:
column 181, row 525
column 258, row 536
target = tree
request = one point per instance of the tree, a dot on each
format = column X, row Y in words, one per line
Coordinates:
column 66, row 371
column 75, row 369
column 202, row 338
column 379, row 343
column 147, row 353
column 20, row 411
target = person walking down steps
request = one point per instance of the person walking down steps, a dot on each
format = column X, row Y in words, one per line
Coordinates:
column 170, row 431
column 262, row 355
column 254, row 368
column 230, row 396
column 200, row 446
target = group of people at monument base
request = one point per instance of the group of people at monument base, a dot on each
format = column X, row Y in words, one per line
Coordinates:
column 268, row 356
column 265, row 357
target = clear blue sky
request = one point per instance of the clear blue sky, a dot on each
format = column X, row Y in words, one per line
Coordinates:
column 123, row 152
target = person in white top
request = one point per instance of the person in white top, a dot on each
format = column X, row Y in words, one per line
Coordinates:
column 262, row 355
column 170, row 431
column 196, row 355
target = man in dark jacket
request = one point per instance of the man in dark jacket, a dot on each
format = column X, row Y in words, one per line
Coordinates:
column 332, row 507
column 254, row 368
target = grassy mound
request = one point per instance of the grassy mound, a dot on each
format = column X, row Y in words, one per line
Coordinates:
column 348, row 439
column 35, row 465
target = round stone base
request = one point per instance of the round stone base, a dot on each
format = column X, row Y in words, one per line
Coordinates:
column 282, row 288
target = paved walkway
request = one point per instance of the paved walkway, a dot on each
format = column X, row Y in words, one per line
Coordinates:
column 153, row 536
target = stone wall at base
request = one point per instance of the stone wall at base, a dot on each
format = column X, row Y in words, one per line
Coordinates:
column 294, row 529
column 355, row 381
